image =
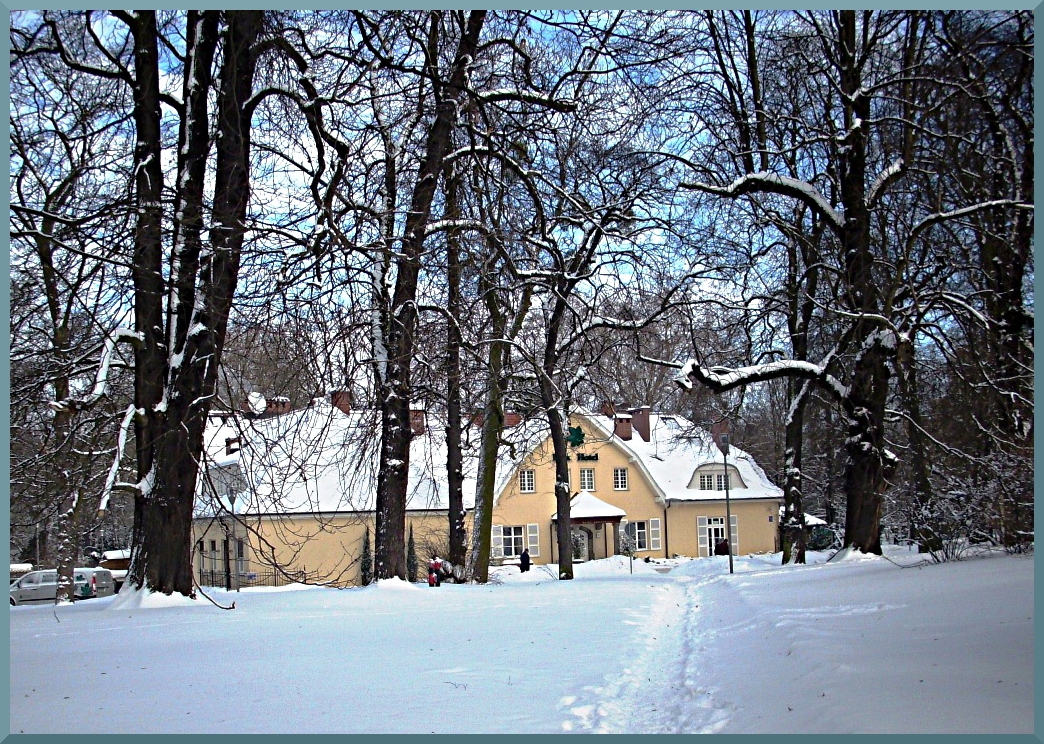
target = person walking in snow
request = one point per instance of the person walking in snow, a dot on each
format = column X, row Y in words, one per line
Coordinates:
column 722, row 547
column 523, row 561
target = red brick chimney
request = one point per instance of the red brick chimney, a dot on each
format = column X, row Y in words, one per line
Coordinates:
column 510, row 419
column 640, row 421
column 341, row 399
column 417, row 422
column 276, row 406
column 622, row 426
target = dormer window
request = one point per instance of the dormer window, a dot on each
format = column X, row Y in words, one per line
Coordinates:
column 708, row 478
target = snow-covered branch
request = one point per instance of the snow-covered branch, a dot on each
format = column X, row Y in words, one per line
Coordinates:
column 937, row 217
column 535, row 99
column 774, row 183
column 121, row 441
column 102, row 378
column 720, row 379
column 884, row 179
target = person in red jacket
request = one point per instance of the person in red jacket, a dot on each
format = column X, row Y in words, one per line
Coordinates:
column 435, row 571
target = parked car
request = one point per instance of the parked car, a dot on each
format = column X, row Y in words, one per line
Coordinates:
column 42, row 586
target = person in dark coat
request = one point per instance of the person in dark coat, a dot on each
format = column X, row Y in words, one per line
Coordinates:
column 722, row 547
column 523, row 560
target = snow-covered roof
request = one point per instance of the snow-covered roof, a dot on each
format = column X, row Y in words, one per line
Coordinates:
column 585, row 505
column 116, row 555
column 317, row 460
column 676, row 449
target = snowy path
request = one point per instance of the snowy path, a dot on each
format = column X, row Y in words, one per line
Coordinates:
column 786, row 651
column 661, row 690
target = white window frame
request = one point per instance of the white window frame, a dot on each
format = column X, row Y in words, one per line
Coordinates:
column 621, row 481
column 639, row 532
column 706, row 481
column 711, row 528
column 527, row 481
column 533, row 539
column 721, row 481
column 513, row 540
column 496, row 543
column 587, row 479
column 715, row 531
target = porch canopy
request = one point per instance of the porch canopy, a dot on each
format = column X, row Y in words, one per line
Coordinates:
column 586, row 508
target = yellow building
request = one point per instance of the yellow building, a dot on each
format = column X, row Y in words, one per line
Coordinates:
column 655, row 478
column 288, row 495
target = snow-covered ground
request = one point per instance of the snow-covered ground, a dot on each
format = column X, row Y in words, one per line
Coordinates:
column 854, row 645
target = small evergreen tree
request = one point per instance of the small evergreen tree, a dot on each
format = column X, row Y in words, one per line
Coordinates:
column 411, row 558
column 366, row 569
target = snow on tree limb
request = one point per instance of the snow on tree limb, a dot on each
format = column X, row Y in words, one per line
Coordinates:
column 776, row 184
column 720, row 379
column 121, row 441
column 548, row 102
column 885, row 179
column 936, row 218
column 102, row 378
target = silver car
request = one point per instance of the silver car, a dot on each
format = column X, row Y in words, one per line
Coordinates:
column 42, row 586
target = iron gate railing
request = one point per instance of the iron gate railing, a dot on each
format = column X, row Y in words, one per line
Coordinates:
column 219, row 578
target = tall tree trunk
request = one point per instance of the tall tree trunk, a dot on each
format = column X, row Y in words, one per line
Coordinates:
column 149, row 357
column 164, row 560
column 564, row 529
column 793, row 531
column 865, row 404
column 493, row 414
column 454, row 459
column 392, row 478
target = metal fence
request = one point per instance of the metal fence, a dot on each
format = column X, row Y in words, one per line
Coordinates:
column 218, row 577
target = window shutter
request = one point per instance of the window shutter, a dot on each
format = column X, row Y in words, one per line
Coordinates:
column 654, row 534
column 703, row 549
column 496, row 541
column 734, row 534
column 533, row 539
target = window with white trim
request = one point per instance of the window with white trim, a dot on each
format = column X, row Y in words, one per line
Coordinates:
column 533, row 540
column 527, row 481
column 721, row 481
column 619, row 479
column 512, row 541
column 587, row 479
column 706, row 482
column 639, row 533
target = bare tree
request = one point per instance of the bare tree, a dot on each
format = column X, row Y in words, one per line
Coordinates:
column 866, row 69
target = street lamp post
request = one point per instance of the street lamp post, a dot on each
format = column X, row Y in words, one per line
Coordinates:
column 235, row 542
column 728, row 510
